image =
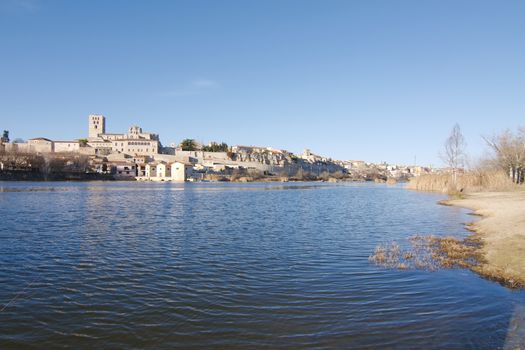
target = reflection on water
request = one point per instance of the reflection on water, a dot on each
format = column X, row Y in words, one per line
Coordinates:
column 516, row 329
column 160, row 186
column 119, row 265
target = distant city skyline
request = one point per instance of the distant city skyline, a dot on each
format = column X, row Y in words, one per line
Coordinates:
column 374, row 80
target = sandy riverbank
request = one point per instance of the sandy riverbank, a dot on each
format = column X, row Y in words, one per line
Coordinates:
column 502, row 229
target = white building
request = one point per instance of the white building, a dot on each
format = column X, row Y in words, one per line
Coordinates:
column 163, row 171
column 181, row 171
column 151, row 171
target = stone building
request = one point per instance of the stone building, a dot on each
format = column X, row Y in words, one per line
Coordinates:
column 311, row 157
column 40, row 145
column 124, row 170
column 134, row 142
column 97, row 126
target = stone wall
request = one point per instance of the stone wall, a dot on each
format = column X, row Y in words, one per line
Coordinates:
column 66, row 146
column 204, row 156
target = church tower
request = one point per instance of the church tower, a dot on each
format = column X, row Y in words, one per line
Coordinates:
column 97, row 125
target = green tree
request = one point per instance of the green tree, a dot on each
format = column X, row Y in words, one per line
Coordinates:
column 188, row 145
column 5, row 136
column 216, row 147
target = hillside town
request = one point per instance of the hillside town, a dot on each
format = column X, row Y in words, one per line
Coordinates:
column 138, row 155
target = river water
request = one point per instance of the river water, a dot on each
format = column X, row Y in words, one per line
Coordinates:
column 235, row 266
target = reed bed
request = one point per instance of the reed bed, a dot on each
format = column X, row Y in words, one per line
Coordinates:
column 472, row 181
column 430, row 253
column 433, row 253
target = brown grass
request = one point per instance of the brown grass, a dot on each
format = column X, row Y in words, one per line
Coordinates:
column 433, row 253
column 473, row 181
column 387, row 255
column 503, row 276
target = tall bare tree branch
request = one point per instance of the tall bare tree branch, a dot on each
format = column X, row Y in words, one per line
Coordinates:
column 454, row 155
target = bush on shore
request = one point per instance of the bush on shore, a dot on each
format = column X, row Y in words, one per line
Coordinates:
column 302, row 175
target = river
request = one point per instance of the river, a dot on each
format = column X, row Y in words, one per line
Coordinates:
column 235, row 266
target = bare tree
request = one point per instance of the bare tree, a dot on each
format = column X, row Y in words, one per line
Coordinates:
column 509, row 149
column 454, row 155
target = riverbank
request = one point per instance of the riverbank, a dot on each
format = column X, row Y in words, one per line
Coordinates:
column 502, row 230
column 28, row 175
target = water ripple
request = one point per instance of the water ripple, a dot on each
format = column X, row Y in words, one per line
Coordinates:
column 119, row 265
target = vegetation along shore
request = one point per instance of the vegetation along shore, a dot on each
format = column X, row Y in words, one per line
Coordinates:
column 494, row 190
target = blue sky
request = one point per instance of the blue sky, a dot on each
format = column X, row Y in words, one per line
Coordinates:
column 373, row 80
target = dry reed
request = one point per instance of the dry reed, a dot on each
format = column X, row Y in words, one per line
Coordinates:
column 472, row 181
column 433, row 253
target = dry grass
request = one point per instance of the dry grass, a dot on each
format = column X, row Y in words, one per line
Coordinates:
column 450, row 252
column 433, row 253
column 503, row 276
column 473, row 181
column 389, row 256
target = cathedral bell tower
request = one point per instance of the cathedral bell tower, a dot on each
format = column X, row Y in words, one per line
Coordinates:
column 97, row 125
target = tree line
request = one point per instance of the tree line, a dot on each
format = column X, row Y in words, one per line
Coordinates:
column 508, row 150
column 191, row 145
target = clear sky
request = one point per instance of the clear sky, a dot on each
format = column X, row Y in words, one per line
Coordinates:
column 373, row 80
